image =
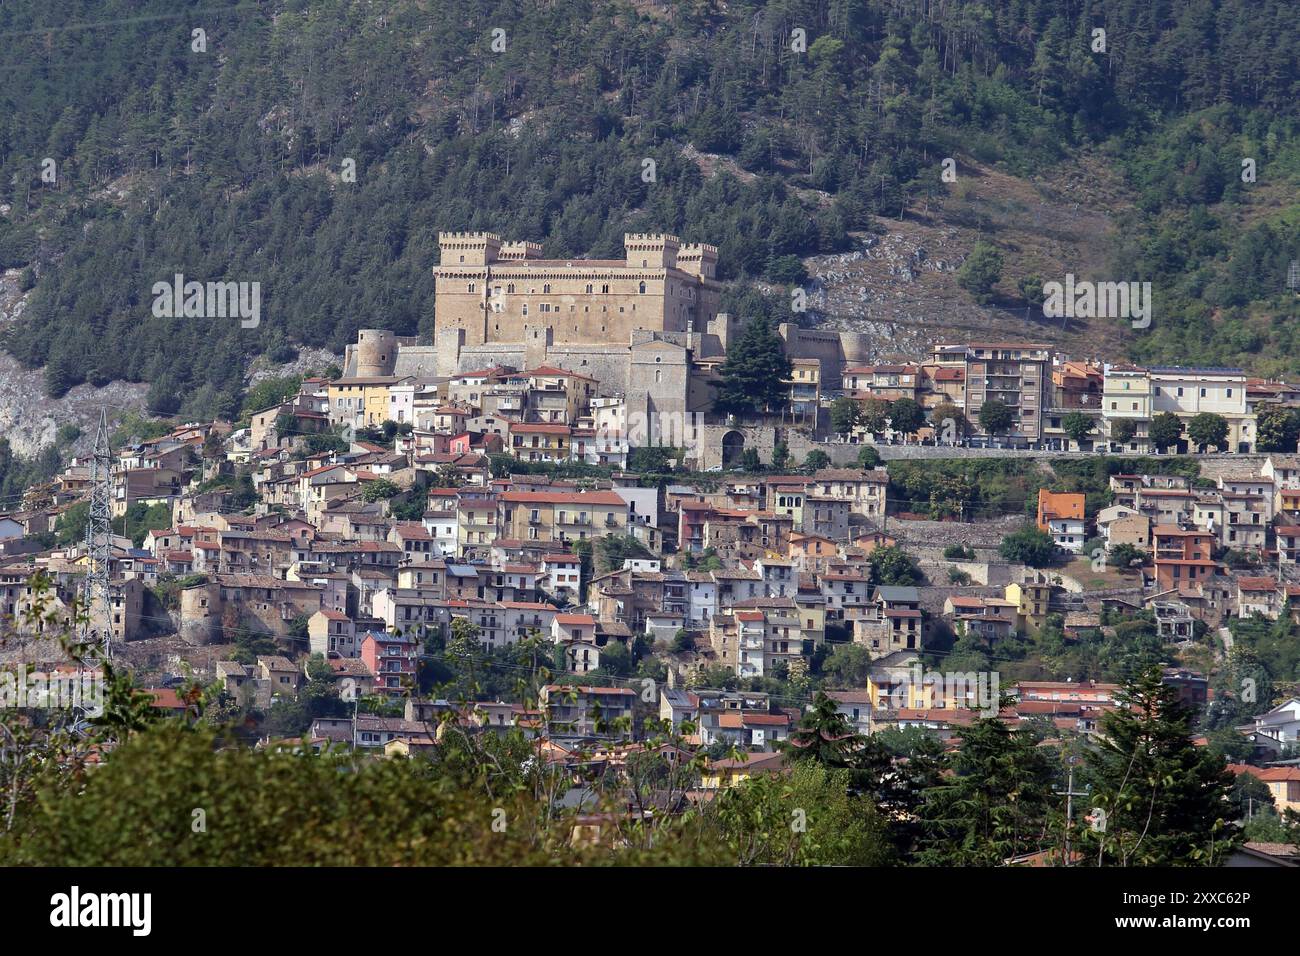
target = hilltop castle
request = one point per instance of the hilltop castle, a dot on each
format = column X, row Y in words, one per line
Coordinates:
column 646, row 326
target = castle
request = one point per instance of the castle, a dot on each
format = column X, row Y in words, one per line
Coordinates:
column 645, row 326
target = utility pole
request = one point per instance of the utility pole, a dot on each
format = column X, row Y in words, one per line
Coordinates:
column 1070, row 793
column 99, row 543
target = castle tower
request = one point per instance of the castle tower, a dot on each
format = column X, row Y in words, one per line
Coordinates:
column 699, row 259
column 376, row 353
column 650, row 251
column 468, row 248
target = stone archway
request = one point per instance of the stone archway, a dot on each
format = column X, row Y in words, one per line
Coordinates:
column 733, row 447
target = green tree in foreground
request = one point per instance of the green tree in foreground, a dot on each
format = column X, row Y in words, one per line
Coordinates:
column 868, row 457
column 816, row 460
column 1124, row 555
column 995, row 417
column 1122, row 431
column 996, row 804
column 893, row 566
column 948, row 421
column 1077, row 426
column 981, row 272
column 906, row 416
column 805, row 817
column 1209, row 430
column 873, row 416
column 1165, row 801
column 1166, row 430
column 844, row 415
column 1278, row 428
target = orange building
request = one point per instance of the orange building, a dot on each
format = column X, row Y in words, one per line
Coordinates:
column 1062, row 516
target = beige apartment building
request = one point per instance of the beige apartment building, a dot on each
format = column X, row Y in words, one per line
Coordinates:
column 885, row 382
column 1126, row 397
column 805, row 389
column 1016, row 374
column 561, row 515
column 1187, row 392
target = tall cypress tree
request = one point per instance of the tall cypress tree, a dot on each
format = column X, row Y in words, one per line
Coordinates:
column 754, row 371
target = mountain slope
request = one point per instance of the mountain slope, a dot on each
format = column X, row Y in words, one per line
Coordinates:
column 228, row 164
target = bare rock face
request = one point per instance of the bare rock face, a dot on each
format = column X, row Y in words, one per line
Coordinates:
column 29, row 418
column 898, row 287
column 308, row 360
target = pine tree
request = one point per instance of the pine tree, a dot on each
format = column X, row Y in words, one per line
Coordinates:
column 1163, row 800
column 997, row 804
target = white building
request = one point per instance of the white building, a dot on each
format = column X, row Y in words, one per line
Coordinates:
column 1188, row 392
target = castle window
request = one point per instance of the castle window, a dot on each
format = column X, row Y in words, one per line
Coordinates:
column 642, row 288
column 510, row 288
column 525, row 309
column 470, row 287
column 546, row 288
column 605, row 288
column 589, row 288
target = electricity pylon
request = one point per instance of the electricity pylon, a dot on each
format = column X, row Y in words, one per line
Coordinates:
column 99, row 541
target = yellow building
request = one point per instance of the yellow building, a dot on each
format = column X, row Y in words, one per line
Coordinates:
column 805, row 388
column 720, row 774
column 894, row 687
column 360, row 402
column 1031, row 597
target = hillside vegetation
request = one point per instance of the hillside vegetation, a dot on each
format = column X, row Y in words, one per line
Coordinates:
column 228, row 164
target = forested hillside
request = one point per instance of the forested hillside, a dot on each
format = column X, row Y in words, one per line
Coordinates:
column 226, row 164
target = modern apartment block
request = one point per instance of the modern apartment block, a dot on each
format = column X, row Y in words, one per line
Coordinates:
column 1018, row 375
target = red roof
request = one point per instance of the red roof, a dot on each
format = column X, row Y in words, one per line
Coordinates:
column 576, row 619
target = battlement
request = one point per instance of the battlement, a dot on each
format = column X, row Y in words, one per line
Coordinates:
column 517, row 251
column 468, row 248
column 651, row 238
column 650, row 251
column 449, row 237
column 698, row 258
column 699, row 248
